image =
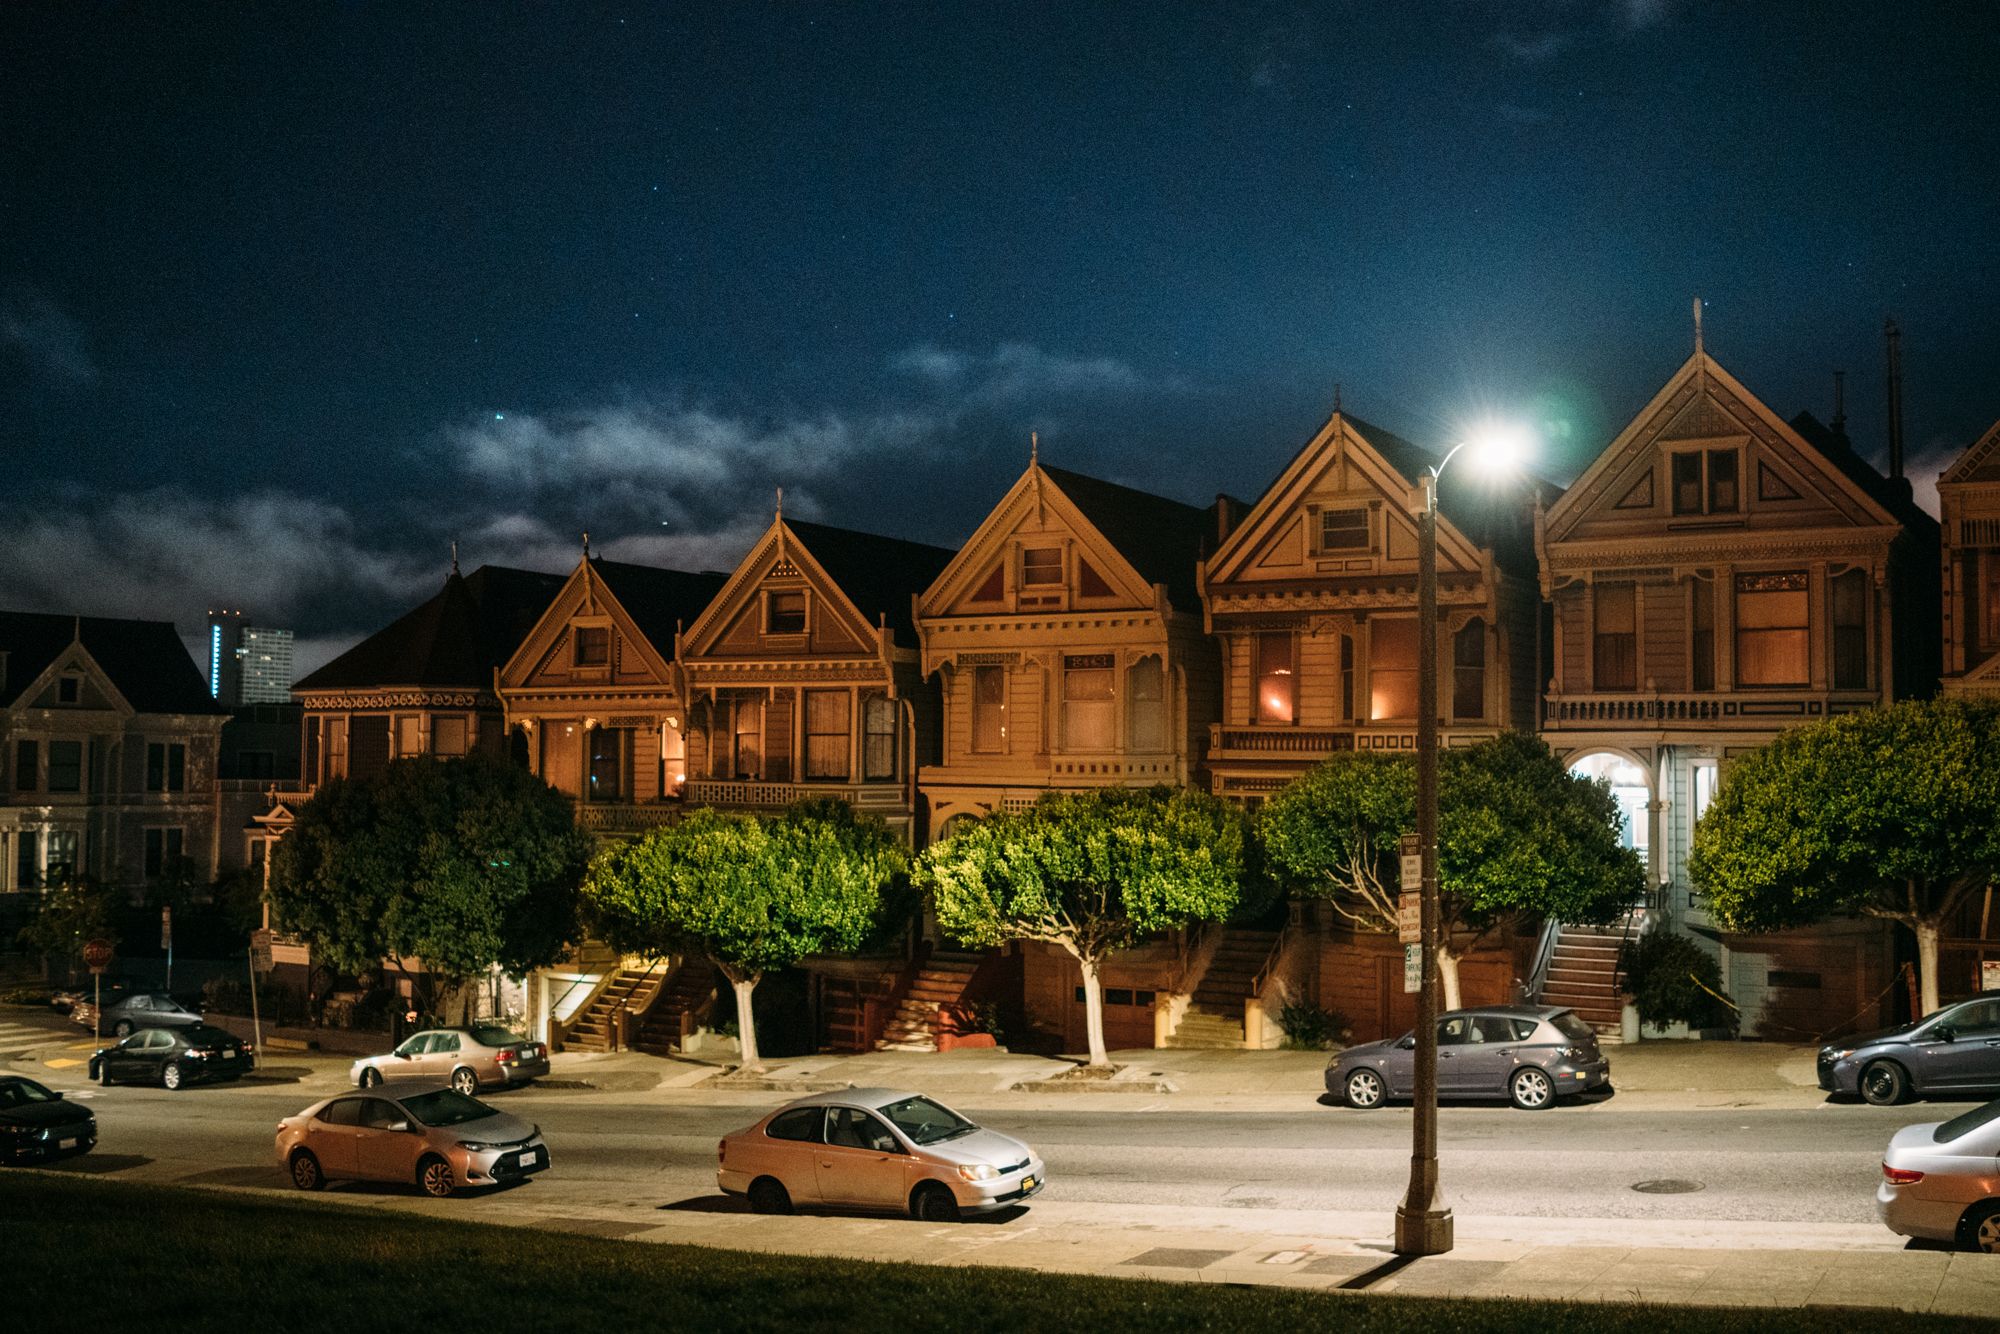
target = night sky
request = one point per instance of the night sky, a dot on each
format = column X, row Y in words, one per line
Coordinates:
column 291, row 295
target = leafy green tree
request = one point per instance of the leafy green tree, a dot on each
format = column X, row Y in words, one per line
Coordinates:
column 751, row 894
column 462, row 864
column 1892, row 813
column 72, row 911
column 1092, row 873
column 1520, row 838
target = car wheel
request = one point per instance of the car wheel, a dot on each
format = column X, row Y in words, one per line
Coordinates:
column 465, row 1081
column 1979, row 1230
column 1531, row 1089
column 1363, row 1089
column 1884, row 1084
column 121, row 1029
column 769, row 1196
column 371, row 1078
column 434, row 1175
column 932, row 1203
column 305, row 1170
column 170, row 1077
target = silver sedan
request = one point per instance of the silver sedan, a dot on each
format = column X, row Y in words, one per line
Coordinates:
column 467, row 1058
column 1941, row 1181
column 435, row 1138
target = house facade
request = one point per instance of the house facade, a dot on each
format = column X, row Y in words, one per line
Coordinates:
column 1969, row 519
column 108, row 746
column 1716, row 575
column 593, row 700
column 803, row 677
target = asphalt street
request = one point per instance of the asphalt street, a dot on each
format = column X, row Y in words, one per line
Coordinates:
column 655, row 1150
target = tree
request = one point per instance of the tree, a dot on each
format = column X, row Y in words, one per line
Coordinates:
column 1520, row 838
column 72, row 911
column 1892, row 813
column 751, row 895
column 1092, row 873
column 462, row 864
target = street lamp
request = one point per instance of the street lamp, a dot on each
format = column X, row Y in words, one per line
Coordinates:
column 1423, row 1223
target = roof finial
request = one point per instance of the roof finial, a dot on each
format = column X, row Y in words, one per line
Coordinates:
column 781, row 504
column 454, row 555
column 1697, row 324
column 1336, row 397
column 1034, row 448
column 586, row 544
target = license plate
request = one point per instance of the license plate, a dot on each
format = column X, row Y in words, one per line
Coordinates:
column 66, row 1144
column 528, row 1158
column 1027, row 1183
column 229, row 1052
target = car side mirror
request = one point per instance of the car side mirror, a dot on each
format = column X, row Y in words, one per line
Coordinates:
column 1946, row 1033
column 58, row 1094
column 400, row 1127
column 1408, row 1044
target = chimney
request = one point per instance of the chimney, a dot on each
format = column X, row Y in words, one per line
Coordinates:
column 1894, row 338
column 1840, row 405
column 1225, row 518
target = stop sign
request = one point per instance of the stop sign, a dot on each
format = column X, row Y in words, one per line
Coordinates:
column 97, row 955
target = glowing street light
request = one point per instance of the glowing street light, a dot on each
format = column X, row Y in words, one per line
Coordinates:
column 1423, row 1223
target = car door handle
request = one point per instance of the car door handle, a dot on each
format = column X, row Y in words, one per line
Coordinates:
column 824, row 1163
column 1444, row 1056
column 1505, row 1051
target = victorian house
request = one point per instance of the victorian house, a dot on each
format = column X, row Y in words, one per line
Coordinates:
column 1969, row 512
column 802, row 676
column 1066, row 637
column 592, row 696
column 1313, row 600
column 1716, row 575
column 108, row 744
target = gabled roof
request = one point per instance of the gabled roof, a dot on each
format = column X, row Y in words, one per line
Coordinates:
column 1163, row 539
column 145, row 660
column 466, row 629
column 881, row 576
column 1974, row 460
column 659, row 601
column 1888, row 492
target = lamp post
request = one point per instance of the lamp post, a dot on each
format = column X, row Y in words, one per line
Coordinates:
column 1423, row 1223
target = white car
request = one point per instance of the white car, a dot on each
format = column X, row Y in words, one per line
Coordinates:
column 1941, row 1181
column 878, row 1149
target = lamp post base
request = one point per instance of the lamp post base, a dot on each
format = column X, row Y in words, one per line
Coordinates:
column 1422, row 1232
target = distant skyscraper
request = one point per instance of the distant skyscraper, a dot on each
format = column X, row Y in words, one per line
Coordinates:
column 247, row 664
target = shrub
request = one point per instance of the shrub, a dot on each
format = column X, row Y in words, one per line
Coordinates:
column 38, row 996
column 1309, row 1028
column 226, row 995
column 1671, row 979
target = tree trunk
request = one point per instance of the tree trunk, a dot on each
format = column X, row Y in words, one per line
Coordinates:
column 1093, row 1009
column 1448, row 975
column 746, row 1022
column 1927, row 930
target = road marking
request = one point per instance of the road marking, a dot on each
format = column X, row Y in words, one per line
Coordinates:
column 62, row 1062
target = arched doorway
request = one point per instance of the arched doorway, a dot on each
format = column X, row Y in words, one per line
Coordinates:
column 1631, row 787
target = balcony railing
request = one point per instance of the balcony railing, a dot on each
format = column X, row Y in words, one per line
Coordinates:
column 635, row 818
column 1742, row 706
column 718, row 792
column 1260, row 743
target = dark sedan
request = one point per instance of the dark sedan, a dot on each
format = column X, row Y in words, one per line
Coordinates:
column 37, row 1125
column 1953, row 1050
column 1531, row 1055
column 173, row 1058
column 150, row 1009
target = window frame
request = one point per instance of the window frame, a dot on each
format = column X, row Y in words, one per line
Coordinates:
column 1038, row 583
column 1847, row 643
column 1364, row 530
column 816, row 770
column 1381, row 671
column 1696, row 468
column 1472, row 674
column 803, row 612
column 166, row 765
column 988, row 715
column 1270, row 669
column 1802, row 594
column 1605, row 645
column 1094, row 713
column 870, row 734
column 586, row 633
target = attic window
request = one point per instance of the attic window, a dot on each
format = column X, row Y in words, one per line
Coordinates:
column 1041, row 566
column 785, row 614
column 1705, row 482
column 69, row 689
column 593, row 646
column 1343, row 530
column 1089, row 582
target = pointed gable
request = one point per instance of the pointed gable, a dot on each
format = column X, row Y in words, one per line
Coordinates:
column 634, row 611
column 144, row 663
column 1980, row 463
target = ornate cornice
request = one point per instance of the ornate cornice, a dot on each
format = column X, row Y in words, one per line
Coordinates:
column 398, row 699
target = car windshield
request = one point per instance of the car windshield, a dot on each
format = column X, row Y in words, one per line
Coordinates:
column 1966, row 1123
column 446, row 1107
column 925, row 1122
column 491, row 1036
column 207, row 1035
column 21, row 1092
column 1570, row 1025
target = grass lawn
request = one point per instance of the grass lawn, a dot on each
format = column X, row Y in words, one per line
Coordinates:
column 98, row 1255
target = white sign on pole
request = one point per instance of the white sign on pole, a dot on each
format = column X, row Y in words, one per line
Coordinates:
column 1412, row 872
column 1413, row 969
column 1410, row 919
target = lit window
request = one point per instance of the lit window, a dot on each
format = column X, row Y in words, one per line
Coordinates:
column 989, row 708
column 828, row 734
column 1146, row 686
column 1089, row 693
column 409, row 735
column 1771, row 636
column 1706, row 775
column 1277, row 684
column 878, row 747
column 1392, row 667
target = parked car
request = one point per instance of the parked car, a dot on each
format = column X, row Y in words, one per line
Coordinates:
column 1532, row 1055
column 433, row 1137
column 129, row 1014
column 1955, row 1049
column 107, row 990
column 1941, row 1181
column 173, row 1057
column 37, row 1125
column 465, row 1058
column 876, row 1149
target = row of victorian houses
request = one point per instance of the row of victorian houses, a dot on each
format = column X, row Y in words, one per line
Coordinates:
column 1717, row 574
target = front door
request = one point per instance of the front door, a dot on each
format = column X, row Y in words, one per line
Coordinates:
column 1487, row 1059
column 330, row 1136
column 1971, row 1059
column 1458, row 1062
column 382, row 1153
column 127, row 1057
column 861, row 1163
column 442, row 1058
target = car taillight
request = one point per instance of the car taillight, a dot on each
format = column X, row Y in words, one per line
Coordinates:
column 503, row 1056
column 1900, row 1176
column 541, row 1052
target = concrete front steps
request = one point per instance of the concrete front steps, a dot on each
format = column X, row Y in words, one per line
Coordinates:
column 941, row 981
column 1583, row 976
column 1214, row 1018
column 691, row 991
column 629, row 988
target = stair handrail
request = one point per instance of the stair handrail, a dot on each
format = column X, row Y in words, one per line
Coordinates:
column 1545, row 957
column 1634, row 916
column 1271, row 960
column 876, row 1011
column 623, row 1005
column 559, row 1028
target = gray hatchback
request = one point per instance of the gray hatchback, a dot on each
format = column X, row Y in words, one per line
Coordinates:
column 1529, row 1054
column 1952, row 1050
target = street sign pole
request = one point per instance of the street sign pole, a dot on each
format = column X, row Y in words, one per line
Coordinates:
column 167, row 941
column 256, row 1024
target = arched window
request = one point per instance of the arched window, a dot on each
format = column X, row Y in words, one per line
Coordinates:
column 1468, row 671
column 1146, row 688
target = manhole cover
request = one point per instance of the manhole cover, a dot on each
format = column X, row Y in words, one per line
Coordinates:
column 1668, row 1186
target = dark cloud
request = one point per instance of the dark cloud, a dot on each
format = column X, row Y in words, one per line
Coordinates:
column 41, row 333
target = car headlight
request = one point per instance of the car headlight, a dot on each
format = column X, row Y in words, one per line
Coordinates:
column 978, row 1171
column 19, row 1130
column 478, row 1146
column 1839, row 1053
